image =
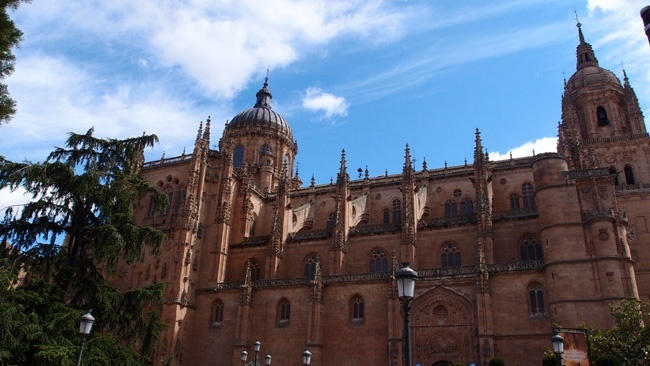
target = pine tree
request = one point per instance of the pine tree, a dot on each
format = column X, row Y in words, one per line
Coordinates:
column 66, row 241
column 10, row 37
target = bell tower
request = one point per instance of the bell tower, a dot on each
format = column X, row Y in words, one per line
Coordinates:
column 602, row 124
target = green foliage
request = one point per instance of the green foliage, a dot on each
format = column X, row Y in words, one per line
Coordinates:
column 629, row 340
column 497, row 361
column 84, row 194
column 10, row 37
column 549, row 360
column 608, row 360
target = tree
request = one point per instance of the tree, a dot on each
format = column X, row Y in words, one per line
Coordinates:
column 82, row 206
column 629, row 340
column 10, row 37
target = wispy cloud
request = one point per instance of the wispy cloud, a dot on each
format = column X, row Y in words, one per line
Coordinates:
column 317, row 100
column 545, row 144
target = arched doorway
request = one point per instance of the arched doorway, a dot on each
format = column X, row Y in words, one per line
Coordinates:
column 443, row 328
column 442, row 363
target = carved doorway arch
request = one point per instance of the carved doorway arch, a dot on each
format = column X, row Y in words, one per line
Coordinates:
column 443, row 328
column 442, row 363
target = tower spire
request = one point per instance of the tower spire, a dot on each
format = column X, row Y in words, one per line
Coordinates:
column 264, row 95
column 584, row 53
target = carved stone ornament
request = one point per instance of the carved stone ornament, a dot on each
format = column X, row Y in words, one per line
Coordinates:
column 603, row 235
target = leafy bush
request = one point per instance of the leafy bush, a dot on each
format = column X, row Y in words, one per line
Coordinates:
column 608, row 360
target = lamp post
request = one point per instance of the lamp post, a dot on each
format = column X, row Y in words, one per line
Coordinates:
column 406, row 277
column 306, row 357
column 85, row 326
column 256, row 347
column 558, row 347
column 645, row 16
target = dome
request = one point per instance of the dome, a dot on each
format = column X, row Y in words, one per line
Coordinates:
column 588, row 72
column 262, row 116
column 591, row 75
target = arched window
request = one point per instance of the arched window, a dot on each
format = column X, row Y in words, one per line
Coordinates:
column 629, row 175
column 180, row 198
column 330, row 222
column 397, row 211
column 536, row 299
column 265, row 150
column 284, row 313
column 466, row 207
column 514, row 201
column 256, row 271
column 386, row 216
column 450, row 256
column 310, row 266
column 217, row 312
column 531, row 249
column 528, row 195
column 613, row 172
column 152, row 206
column 602, row 116
column 238, row 156
column 378, row 262
column 451, row 210
column 168, row 208
column 356, row 309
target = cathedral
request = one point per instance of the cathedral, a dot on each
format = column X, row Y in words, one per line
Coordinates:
column 503, row 249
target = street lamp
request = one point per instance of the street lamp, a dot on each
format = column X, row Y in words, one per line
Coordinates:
column 306, row 357
column 85, row 326
column 256, row 347
column 406, row 277
column 558, row 347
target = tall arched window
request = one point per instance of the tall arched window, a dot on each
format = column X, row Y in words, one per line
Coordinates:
column 238, row 156
column 536, row 299
column 629, row 175
column 378, row 262
column 451, row 210
column 386, row 216
column 528, row 195
column 310, row 265
column 397, row 212
column 217, row 312
column 514, row 201
column 450, row 256
column 168, row 208
column 466, row 207
column 531, row 249
column 284, row 313
column 601, row 113
column 180, row 198
column 256, row 271
column 356, row 309
column 265, row 150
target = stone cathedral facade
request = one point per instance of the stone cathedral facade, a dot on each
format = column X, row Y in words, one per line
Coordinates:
column 504, row 249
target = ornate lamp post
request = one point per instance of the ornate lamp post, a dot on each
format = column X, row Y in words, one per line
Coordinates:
column 85, row 326
column 256, row 347
column 405, row 289
column 306, row 357
column 558, row 347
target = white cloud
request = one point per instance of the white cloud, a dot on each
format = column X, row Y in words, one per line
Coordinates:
column 221, row 45
column 317, row 100
column 545, row 144
column 15, row 200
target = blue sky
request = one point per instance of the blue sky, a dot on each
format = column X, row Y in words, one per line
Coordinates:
column 364, row 76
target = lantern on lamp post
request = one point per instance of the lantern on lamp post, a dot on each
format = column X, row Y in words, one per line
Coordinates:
column 406, row 277
column 85, row 326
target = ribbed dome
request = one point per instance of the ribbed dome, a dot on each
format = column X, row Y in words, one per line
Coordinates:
column 262, row 116
column 591, row 75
